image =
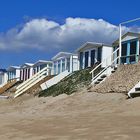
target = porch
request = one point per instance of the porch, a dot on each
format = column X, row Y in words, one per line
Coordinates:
column 130, row 53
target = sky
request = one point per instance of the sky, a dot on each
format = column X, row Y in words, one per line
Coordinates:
column 38, row 29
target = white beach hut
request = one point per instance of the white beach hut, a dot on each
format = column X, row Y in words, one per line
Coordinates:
column 26, row 71
column 39, row 65
column 13, row 73
column 3, row 77
column 65, row 61
column 91, row 53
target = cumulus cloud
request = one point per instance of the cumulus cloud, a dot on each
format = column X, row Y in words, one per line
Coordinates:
column 42, row 34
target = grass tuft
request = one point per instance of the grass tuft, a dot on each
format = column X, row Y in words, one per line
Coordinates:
column 69, row 84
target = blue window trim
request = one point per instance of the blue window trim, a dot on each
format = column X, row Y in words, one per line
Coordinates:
column 129, row 41
column 128, row 49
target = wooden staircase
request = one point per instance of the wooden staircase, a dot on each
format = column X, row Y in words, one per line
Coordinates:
column 110, row 68
column 36, row 88
column 104, row 76
column 135, row 91
column 30, row 83
column 8, row 86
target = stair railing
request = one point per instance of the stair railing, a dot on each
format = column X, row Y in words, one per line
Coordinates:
column 111, row 57
column 34, row 76
column 32, row 81
column 105, row 68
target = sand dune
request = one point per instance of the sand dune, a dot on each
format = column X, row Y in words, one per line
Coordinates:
column 81, row 116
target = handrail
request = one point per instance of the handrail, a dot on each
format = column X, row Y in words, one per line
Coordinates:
column 28, row 80
column 105, row 68
column 104, row 61
column 21, row 91
column 31, row 81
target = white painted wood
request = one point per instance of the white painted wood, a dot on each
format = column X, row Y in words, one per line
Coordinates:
column 31, row 82
column 3, row 78
column 133, row 89
column 25, row 82
column 54, row 80
column 64, row 55
column 3, row 97
column 128, row 38
column 106, row 55
column 20, row 92
column 107, row 70
column 89, row 46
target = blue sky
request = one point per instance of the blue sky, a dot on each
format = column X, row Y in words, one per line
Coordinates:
column 38, row 29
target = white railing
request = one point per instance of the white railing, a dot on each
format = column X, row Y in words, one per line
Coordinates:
column 32, row 81
column 105, row 69
column 54, row 80
column 133, row 89
column 113, row 61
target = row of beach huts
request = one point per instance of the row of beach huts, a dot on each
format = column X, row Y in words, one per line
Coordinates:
column 64, row 63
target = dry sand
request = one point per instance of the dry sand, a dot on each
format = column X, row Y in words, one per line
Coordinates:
column 81, row 116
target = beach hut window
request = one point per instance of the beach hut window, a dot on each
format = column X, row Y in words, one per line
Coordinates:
column 42, row 66
column 86, row 59
column 99, row 54
column 59, row 66
column 28, row 73
column 55, row 68
column 81, row 60
column 92, row 57
column 68, row 64
column 133, row 48
column 63, row 65
column 124, row 53
column 37, row 68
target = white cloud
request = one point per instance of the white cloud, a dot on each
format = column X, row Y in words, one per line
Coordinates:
column 41, row 34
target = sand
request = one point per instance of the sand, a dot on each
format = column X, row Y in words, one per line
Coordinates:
column 81, row 116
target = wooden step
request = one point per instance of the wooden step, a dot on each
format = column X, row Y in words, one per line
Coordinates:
column 137, row 89
column 4, row 97
column 100, row 79
column 104, row 76
column 32, row 89
column 97, row 82
column 7, row 86
column 113, row 71
column 135, row 94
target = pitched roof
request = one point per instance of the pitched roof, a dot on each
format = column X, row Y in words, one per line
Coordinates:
column 137, row 35
column 40, row 62
column 94, row 44
column 13, row 67
column 27, row 64
column 61, row 54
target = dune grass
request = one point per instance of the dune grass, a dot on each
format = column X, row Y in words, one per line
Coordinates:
column 70, row 84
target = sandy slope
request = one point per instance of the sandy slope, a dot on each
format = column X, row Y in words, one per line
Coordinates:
column 81, row 116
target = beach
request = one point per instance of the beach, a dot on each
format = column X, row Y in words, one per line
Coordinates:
column 80, row 116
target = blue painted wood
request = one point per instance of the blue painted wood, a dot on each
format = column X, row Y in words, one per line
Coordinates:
column 128, row 53
column 115, row 54
column 129, row 41
column 137, row 51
